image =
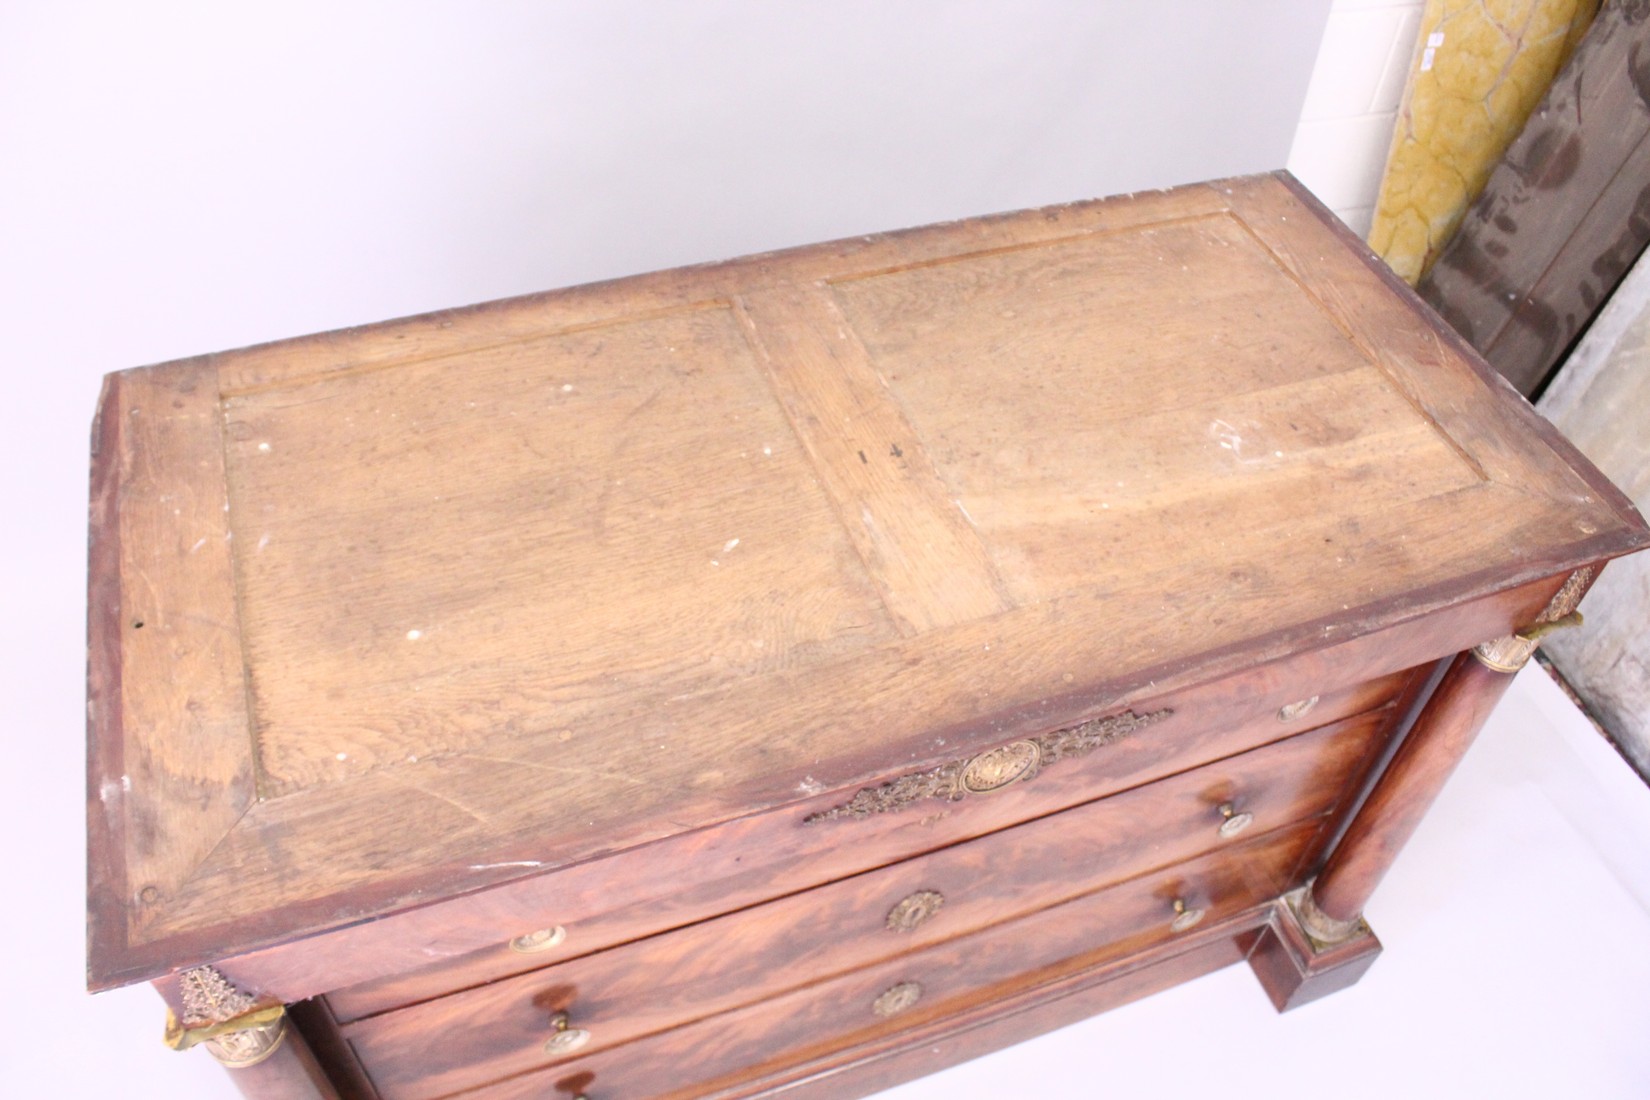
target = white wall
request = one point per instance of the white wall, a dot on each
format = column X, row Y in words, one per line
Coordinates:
column 1345, row 132
column 180, row 178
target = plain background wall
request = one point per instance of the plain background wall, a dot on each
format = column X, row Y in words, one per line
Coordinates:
column 1345, row 132
column 183, row 178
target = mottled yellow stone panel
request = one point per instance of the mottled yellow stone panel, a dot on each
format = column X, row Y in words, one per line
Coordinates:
column 1480, row 68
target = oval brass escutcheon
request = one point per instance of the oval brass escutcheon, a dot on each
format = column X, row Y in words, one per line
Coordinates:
column 542, row 940
column 994, row 770
column 1234, row 822
column 897, row 998
column 565, row 1038
column 1185, row 916
column 1291, row 711
column 914, row 910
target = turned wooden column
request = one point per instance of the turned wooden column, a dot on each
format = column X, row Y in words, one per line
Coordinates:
column 1319, row 941
column 1331, row 908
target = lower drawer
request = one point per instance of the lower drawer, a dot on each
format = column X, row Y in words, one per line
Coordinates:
column 907, row 993
column 614, row 996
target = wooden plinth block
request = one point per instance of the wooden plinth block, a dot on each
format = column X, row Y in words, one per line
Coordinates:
column 1294, row 968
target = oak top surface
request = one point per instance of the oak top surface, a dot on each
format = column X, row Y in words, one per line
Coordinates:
column 379, row 615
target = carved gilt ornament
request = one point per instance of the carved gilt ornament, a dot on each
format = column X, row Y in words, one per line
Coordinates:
column 993, row 769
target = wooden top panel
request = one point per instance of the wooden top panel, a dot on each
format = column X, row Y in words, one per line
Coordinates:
column 437, row 603
column 1146, row 391
column 441, row 556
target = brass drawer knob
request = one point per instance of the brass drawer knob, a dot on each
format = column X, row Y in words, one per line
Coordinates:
column 1185, row 916
column 914, row 910
column 542, row 940
column 897, row 998
column 566, row 1038
column 1232, row 822
column 1291, row 711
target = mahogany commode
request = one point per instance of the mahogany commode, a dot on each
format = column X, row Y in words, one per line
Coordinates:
column 797, row 674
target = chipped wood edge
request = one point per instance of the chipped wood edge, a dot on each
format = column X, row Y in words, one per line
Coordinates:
column 106, row 938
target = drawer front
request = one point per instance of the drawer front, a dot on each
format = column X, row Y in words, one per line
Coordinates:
column 925, row 986
column 745, row 862
column 661, row 982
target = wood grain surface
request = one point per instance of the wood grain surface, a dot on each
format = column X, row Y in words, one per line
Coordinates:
column 916, row 541
column 724, row 1052
column 1428, row 756
column 993, row 1025
column 169, row 775
column 1025, row 374
column 593, row 544
column 716, row 965
column 502, row 591
column 427, row 950
column 627, row 898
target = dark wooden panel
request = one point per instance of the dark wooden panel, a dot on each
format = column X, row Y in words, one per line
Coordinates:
column 1564, row 215
column 319, row 1028
column 1408, row 707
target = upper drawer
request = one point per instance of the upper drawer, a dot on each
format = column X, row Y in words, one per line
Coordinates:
column 640, row 893
column 616, row 995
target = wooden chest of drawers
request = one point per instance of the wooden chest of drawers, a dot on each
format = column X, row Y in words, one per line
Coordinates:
column 757, row 678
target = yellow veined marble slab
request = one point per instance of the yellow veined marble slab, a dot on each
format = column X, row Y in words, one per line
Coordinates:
column 1480, row 68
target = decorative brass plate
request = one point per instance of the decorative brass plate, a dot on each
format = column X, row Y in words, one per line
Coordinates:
column 565, row 1038
column 897, row 998
column 1291, row 711
column 1510, row 653
column 246, row 1048
column 993, row 769
column 1233, row 821
column 228, row 1021
column 915, row 910
column 1185, row 917
column 542, row 940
